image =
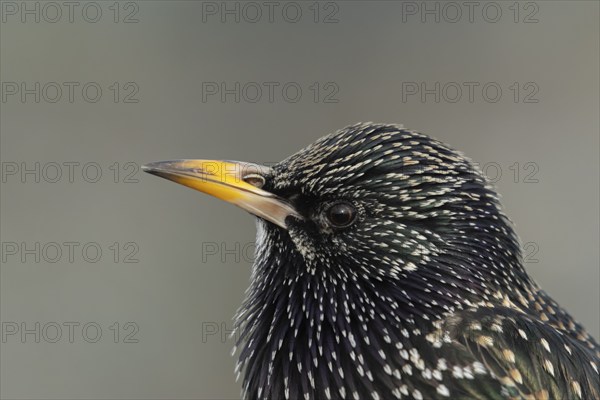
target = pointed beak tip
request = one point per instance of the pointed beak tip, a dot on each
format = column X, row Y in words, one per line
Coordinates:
column 151, row 166
column 150, row 170
column 156, row 167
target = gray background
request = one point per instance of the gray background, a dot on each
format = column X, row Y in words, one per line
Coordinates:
column 177, row 290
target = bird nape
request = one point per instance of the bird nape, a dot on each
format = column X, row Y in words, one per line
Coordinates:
column 385, row 268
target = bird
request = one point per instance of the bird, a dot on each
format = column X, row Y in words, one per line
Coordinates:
column 385, row 268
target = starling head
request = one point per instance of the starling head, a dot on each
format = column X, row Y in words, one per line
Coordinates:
column 397, row 206
column 373, row 243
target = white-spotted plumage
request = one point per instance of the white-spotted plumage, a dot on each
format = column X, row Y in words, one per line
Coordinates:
column 424, row 296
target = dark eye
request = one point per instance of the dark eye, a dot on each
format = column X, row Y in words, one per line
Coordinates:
column 341, row 215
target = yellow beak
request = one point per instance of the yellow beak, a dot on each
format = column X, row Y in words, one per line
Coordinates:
column 235, row 182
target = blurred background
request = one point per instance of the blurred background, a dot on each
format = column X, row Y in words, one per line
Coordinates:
column 116, row 284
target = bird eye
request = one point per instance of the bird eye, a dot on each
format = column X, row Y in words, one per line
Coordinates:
column 255, row 180
column 341, row 215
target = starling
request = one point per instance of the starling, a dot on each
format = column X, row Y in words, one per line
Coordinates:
column 386, row 269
